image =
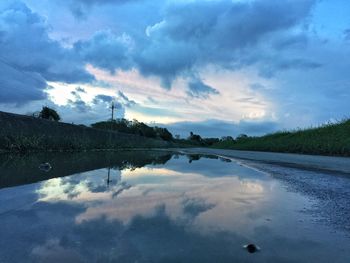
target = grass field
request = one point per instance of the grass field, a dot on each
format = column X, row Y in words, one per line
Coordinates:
column 23, row 133
column 330, row 139
column 20, row 133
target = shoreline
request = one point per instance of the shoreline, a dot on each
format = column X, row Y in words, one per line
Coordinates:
column 86, row 150
column 330, row 164
column 307, row 162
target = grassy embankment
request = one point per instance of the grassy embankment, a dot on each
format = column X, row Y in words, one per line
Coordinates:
column 20, row 133
column 330, row 139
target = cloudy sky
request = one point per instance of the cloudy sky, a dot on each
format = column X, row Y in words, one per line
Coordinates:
column 214, row 67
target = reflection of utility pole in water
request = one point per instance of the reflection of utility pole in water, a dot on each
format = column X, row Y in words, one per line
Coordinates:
column 117, row 178
column 108, row 175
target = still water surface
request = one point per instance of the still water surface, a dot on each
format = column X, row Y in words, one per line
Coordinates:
column 155, row 207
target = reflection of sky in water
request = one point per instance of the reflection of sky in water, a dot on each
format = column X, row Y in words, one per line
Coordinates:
column 202, row 211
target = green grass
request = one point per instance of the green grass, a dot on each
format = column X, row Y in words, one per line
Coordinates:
column 330, row 139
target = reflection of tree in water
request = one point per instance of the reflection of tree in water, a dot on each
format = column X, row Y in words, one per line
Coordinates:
column 23, row 169
column 196, row 157
column 18, row 170
column 226, row 160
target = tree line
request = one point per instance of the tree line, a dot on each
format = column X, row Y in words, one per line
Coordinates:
column 142, row 129
column 134, row 127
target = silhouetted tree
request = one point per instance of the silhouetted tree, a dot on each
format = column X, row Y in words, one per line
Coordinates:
column 195, row 137
column 49, row 114
column 163, row 133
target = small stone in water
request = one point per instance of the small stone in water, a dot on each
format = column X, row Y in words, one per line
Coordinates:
column 251, row 248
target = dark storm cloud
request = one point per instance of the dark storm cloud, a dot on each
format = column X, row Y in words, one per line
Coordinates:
column 80, row 8
column 197, row 89
column 273, row 65
column 106, row 51
column 121, row 102
column 257, row 86
column 197, row 33
column 291, row 41
column 90, row 2
column 166, row 59
column 190, row 35
column 104, row 98
column 347, row 34
column 221, row 32
column 298, row 63
column 26, row 47
column 18, row 86
column 230, row 25
column 80, row 89
column 126, row 101
column 77, row 103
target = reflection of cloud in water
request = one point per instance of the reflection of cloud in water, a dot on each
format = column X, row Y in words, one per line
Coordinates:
column 52, row 251
column 156, row 238
column 123, row 186
column 151, row 171
column 252, row 187
column 55, row 189
column 183, row 194
column 160, row 214
column 83, row 187
column 195, row 206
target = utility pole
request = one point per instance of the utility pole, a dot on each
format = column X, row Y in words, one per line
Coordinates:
column 111, row 124
column 112, row 107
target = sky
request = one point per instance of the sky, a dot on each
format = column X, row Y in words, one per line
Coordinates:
column 213, row 67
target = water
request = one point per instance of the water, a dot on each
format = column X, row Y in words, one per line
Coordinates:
column 156, row 207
